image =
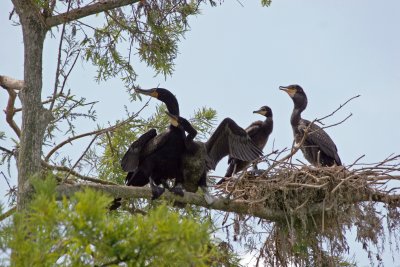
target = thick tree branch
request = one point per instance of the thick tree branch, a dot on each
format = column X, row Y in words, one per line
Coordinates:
column 222, row 204
column 120, row 191
column 87, row 11
column 11, row 83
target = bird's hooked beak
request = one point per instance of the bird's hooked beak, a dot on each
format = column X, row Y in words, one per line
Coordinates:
column 260, row 111
column 173, row 119
column 290, row 91
column 150, row 92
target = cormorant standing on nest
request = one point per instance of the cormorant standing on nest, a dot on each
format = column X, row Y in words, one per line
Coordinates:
column 199, row 157
column 228, row 139
column 318, row 148
column 259, row 132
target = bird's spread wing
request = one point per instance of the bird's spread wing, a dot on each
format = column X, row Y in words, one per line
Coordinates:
column 130, row 160
column 154, row 144
column 230, row 139
column 251, row 130
column 317, row 136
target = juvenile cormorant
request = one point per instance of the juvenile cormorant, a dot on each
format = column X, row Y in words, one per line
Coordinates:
column 259, row 132
column 317, row 144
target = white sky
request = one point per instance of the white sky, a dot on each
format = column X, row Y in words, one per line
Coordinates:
column 235, row 58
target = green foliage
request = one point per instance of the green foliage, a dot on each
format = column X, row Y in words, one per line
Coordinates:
column 150, row 29
column 41, row 3
column 266, row 2
column 203, row 121
column 81, row 232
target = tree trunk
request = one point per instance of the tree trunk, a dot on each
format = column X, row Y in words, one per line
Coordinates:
column 34, row 117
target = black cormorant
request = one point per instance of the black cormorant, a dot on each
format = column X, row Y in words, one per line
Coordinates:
column 143, row 157
column 259, row 132
column 318, row 148
column 148, row 142
column 198, row 157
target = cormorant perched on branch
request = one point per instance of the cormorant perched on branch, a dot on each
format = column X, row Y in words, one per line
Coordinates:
column 318, row 148
column 144, row 160
column 199, row 157
column 146, row 143
column 259, row 132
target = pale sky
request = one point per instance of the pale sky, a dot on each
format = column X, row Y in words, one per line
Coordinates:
column 235, row 58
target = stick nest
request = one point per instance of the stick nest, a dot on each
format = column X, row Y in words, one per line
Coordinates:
column 318, row 205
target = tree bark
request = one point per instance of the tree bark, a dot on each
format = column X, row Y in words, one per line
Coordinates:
column 34, row 117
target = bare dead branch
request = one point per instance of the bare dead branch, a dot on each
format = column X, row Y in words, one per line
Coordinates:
column 337, row 123
column 56, row 81
column 6, row 150
column 11, row 83
column 10, row 111
column 80, row 158
column 355, row 162
column 69, row 72
column 336, row 110
column 43, row 103
column 76, row 174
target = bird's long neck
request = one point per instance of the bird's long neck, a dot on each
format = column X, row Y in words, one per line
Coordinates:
column 172, row 104
column 296, row 117
column 300, row 105
column 269, row 124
